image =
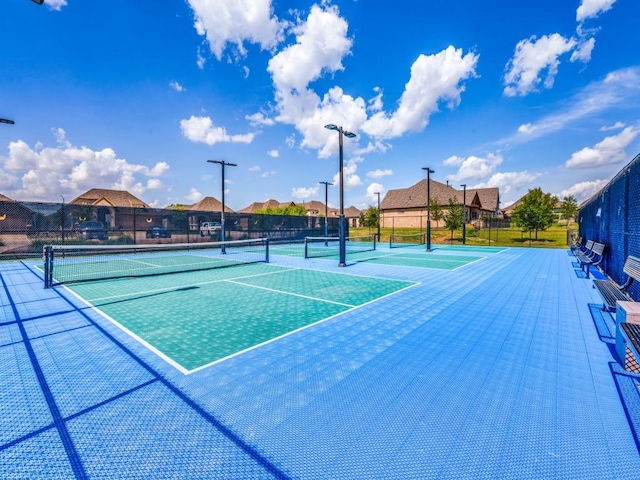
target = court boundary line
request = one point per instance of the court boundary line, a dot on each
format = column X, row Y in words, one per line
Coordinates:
column 172, row 288
column 365, row 260
column 139, row 339
column 186, row 371
column 293, row 294
column 280, row 269
column 202, row 367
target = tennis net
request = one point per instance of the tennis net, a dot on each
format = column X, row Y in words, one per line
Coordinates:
column 81, row 263
column 330, row 246
column 407, row 240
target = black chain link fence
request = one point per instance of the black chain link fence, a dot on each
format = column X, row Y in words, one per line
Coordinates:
column 26, row 226
column 612, row 217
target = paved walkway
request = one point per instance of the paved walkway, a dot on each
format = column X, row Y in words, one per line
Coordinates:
column 501, row 369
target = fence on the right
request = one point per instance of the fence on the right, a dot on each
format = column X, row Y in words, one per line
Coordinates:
column 612, row 217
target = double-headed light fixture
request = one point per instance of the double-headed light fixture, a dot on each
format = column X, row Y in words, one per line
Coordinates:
column 341, row 219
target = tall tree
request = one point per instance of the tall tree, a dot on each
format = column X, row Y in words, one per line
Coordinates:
column 436, row 211
column 569, row 208
column 454, row 218
column 535, row 212
column 372, row 217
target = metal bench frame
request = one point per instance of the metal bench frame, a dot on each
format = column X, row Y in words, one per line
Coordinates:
column 593, row 258
column 611, row 292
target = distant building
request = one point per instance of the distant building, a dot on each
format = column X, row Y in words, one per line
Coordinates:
column 208, row 204
column 117, row 209
column 407, row 207
column 255, row 206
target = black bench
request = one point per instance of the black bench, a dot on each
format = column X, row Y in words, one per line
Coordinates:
column 612, row 292
column 576, row 245
column 628, row 336
column 593, row 258
column 584, row 249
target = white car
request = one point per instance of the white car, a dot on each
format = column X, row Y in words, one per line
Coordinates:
column 210, row 228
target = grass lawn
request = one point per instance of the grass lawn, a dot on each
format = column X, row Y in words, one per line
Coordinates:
column 554, row 237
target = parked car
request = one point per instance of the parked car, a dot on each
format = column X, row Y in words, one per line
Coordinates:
column 210, row 228
column 158, row 231
column 93, row 229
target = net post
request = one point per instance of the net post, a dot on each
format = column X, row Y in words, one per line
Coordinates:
column 266, row 244
column 47, row 258
column 374, row 242
column 306, row 247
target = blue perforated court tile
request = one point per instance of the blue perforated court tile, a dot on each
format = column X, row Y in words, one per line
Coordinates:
column 501, row 369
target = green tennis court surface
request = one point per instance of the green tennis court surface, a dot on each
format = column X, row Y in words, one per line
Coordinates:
column 194, row 319
column 420, row 260
column 469, row 248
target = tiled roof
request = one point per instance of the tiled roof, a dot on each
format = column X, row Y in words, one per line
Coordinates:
column 314, row 206
column 208, row 204
column 113, row 198
column 255, row 206
column 351, row 212
column 416, row 196
column 489, row 198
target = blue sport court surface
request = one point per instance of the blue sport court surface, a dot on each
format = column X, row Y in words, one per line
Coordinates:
column 461, row 363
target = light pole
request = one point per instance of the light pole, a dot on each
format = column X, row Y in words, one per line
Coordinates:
column 429, row 172
column 326, row 209
column 341, row 221
column 222, row 163
column 378, row 194
column 464, row 213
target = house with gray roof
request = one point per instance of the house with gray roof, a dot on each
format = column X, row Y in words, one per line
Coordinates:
column 407, row 207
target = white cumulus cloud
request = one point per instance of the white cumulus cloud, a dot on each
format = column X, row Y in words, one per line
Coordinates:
column 532, row 58
column 233, row 22
column 473, row 168
column 259, row 119
column 55, row 4
column 506, row 181
column 615, row 126
column 302, row 193
column 592, row 8
column 583, row 190
column 71, row 170
column 608, row 151
column 203, row 130
column 176, row 86
column 434, row 78
column 194, row 195
column 321, row 43
column 379, row 173
column 371, row 192
column 351, row 178
column 582, row 52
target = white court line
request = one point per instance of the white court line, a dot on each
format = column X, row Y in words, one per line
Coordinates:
column 281, row 269
column 153, row 349
column 275, row 339
column 291, row 294
column 187, row 285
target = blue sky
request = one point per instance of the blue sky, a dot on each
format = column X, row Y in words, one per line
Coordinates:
column 139, row 95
